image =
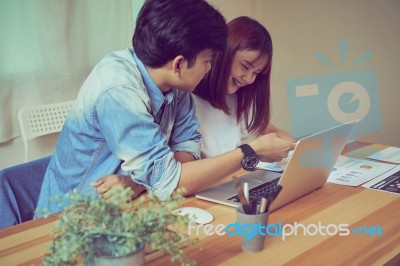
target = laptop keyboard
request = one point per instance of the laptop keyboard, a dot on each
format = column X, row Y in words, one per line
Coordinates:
column 257, row 192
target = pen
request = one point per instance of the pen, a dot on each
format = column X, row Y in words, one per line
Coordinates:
column 263, row 205
column 246, row 191
column 253, row 206
column 242, row 198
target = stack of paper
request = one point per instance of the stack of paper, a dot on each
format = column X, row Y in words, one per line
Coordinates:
column 390, row 155
column 388, row 182
column 354, row 172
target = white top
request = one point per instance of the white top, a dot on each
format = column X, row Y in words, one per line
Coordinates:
column 220, row 132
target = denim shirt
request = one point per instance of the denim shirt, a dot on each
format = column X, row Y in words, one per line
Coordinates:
column 122, row 123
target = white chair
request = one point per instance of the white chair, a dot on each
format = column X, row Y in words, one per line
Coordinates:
column 39, row 120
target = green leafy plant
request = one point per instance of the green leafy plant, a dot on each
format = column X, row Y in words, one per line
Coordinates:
column 91, row 227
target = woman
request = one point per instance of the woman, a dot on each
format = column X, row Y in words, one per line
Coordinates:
column 234, row 99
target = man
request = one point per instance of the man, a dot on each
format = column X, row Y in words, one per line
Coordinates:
column 134, row 117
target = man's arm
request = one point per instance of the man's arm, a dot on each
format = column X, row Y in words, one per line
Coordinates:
column 201, row 174
column 104, row 184
column 184, row 157
column 197, row 175
column 271, row 128
column 124, row 136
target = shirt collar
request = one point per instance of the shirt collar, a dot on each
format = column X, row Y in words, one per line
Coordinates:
column 157, row 98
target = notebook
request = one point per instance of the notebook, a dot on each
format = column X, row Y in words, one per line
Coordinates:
column 307, row 170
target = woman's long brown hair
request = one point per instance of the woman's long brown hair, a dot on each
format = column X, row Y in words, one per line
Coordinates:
column 253, row 100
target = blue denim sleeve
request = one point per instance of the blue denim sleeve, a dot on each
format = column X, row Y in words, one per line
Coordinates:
column 185, row 135
column 122, row 115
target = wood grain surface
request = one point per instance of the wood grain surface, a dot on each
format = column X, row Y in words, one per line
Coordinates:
column 26, row 243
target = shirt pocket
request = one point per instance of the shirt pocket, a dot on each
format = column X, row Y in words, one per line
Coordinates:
column 158, row 170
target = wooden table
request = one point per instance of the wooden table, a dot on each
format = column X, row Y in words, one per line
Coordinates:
column 332, row 204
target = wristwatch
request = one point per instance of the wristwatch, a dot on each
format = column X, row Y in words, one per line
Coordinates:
column 250, row 158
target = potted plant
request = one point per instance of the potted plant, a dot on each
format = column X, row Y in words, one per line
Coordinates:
column 95, row 230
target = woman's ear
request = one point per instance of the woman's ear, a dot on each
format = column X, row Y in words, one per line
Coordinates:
column 177, row 64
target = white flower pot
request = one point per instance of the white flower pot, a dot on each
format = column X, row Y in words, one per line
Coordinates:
column 134, row 259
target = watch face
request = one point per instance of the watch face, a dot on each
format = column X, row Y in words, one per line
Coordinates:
column 250, row 162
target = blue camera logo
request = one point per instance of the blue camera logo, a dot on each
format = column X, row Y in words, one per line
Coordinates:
column 320, row 102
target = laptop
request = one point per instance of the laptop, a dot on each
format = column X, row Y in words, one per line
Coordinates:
column 308, row 169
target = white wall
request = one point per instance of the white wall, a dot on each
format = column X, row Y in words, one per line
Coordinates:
column 299, row 29
column 46, row 52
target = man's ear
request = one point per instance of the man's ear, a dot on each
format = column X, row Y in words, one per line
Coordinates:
column 177, row 64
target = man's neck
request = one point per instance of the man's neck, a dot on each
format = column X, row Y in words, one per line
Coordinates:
column 160, row 77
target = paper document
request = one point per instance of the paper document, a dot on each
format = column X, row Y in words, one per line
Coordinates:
column 354, row 172
column 391, row 155
column 388, row 182
column 276, row 166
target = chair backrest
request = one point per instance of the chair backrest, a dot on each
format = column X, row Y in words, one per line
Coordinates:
column 19, row 191
column 39, row 120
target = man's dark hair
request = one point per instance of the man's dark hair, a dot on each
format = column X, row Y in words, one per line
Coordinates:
column 168, row 28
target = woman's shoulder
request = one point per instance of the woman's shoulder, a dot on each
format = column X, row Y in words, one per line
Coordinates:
column 198, row 100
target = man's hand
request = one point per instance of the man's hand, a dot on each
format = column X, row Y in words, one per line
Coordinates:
column 104, row 184
column 272, row 148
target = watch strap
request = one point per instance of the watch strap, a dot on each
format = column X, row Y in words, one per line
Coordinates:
column 247, row 149
column 250, row 158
